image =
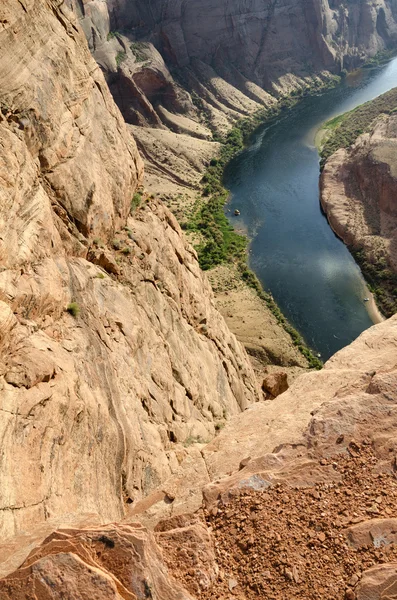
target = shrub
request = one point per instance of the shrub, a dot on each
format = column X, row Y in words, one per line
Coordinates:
column 73, row 309
column 194, row 440
column 137, row 48
column 120, row 57
column 135, row 202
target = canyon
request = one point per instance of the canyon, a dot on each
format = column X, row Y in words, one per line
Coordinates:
column 135, row 436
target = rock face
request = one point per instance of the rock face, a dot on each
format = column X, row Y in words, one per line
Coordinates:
column 358, row 191
column 348, row 399
column 358, row 194
column 261, row 40
column 111, row 562
column 307, row 514
column 227, row 52
column 110, row 359
column 116, row 369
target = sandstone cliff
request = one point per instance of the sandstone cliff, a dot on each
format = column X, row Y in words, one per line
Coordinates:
column 358, row 194
column 116, row 369
column 305, row 511
column 95, row 402
column 226, row 52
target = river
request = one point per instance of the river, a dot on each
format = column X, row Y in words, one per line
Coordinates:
column 274, row 184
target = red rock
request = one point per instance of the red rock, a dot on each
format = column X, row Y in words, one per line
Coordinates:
column 106, row 563
column 378, row 583
column 275, row 383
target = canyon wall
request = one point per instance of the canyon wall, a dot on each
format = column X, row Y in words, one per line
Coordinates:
column 116, row 369
column 358, row 194
column 226, row 52
column 299, row 502
column 112, row 353
column 359, row 186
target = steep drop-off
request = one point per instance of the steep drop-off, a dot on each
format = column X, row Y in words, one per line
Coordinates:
column 226, row 52
column 97, row 399
column 302, row 505
column 358, row 192
column 194, row 69
column 116, row 369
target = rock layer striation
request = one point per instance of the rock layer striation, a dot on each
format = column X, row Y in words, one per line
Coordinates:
column 112, row 352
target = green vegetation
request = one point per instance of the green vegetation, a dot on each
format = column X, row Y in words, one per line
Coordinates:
column 220, row 242
column 379, row 59
column 100, row 276
column 73, row 309
column 111, row 35
column 135, row 202
column 382, row 282
column 194, row 440
column 346, row 128
column 335, row 122
column 126, row 250
column 120, row 57
column 138, row 50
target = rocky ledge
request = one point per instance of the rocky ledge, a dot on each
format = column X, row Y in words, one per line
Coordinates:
column 114, row 360
column 312, row 518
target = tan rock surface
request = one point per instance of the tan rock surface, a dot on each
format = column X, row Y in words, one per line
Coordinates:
column 275, row 384
column 229, row 52
column 109, row 405
column 351, row 398
column 347, row 374
column 96, row 402
column 251, row 321
column 313, row 519
column 174, row 165
column 378, row 533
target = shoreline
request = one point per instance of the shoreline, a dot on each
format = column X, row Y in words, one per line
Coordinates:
column 373, row 309
column 208, row 222
column 379, row 289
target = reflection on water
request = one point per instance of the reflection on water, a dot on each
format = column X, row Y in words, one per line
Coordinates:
column 294, row 252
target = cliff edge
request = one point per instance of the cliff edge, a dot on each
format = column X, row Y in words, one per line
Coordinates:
column 112, row 352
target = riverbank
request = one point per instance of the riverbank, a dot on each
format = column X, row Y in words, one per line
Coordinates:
column 371, row 305
column 373, row 310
